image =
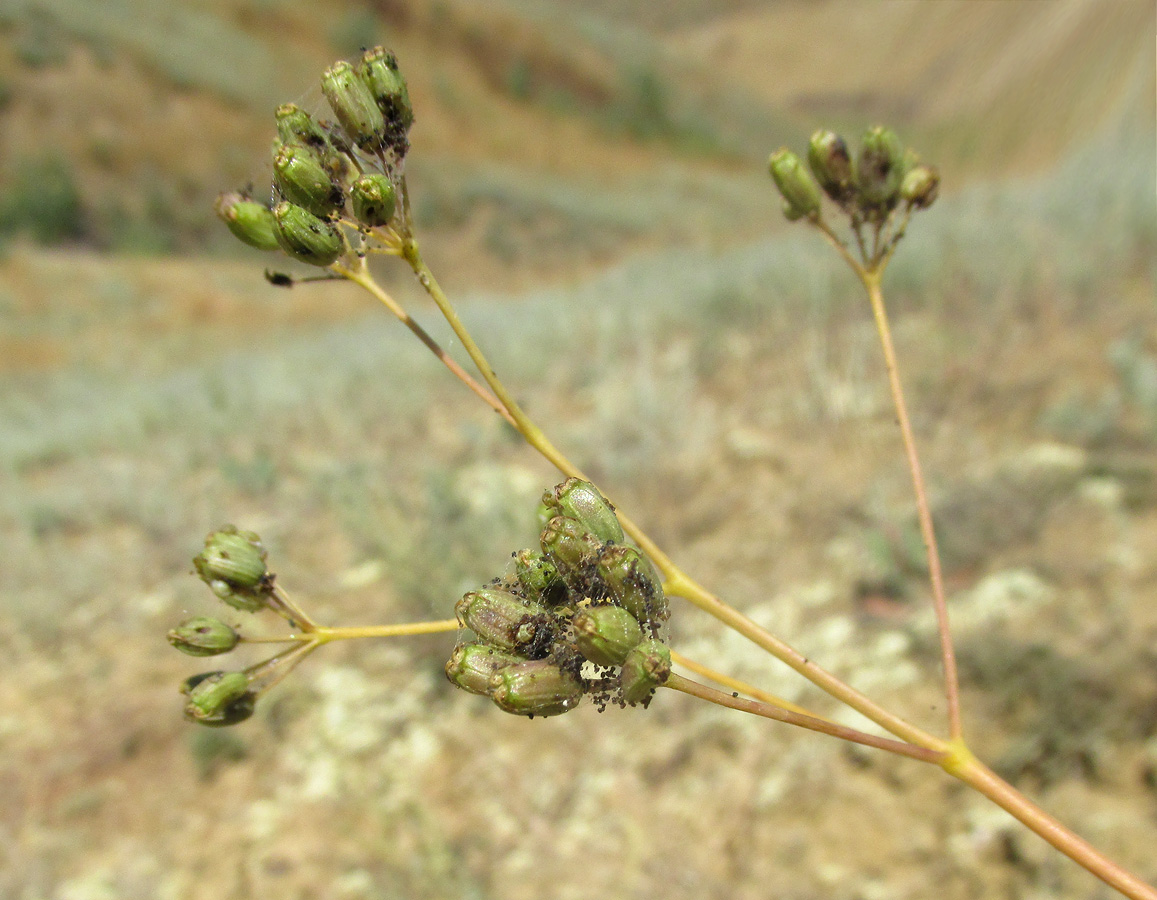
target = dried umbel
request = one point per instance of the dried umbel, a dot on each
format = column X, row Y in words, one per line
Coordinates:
column 570, row 617
column 877, row 190
column 334, row 182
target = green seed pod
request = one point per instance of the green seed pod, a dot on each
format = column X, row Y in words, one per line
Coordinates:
column 351, row 101
column 203, row 636
column 582, row 501
column 606, row 634
column 645, row 668
column 373, row 200
column 296, row 126
column 303, row 179
column 471, row 666
column 506, row 621
column 305, row 237
column 568, row 545
column 800, row 192
column 218, row 698
column 535, row 688
column 233, row 565
column 632, row 583
column 880, row 169
column 379, row 70
column 920, row 186
column 828, row 156
column 538, row 577
column 250, row 221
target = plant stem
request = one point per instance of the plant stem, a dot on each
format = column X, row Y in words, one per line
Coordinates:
column 682, row 586
column 871, row 280
column 963, row 765
column 405, row 629
column 322, row 635
column 362, row 278
column 812, row 723
column 742, row 687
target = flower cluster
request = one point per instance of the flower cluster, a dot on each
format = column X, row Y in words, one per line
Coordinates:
column 582, row 614
column 330, row 174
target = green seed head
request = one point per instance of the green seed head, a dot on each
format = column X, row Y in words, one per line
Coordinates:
column 582, row 501
column 303, row 179
column 203, row 636
column 538, row 577
column 351, row 101
column 373, row 200
column 606, row 634
column 379, row 70
column 920, row 186
column 646, row 667
column 472, row 666
column 879, row 170
column 218, row 698
column 535, row 688
column 233, row 565
column 306, row 237
column 296, row 126
column 828, row 156
column 632, row 583
column 800, row 192
column 249, row 221
column 506, row 621
column 569, row 546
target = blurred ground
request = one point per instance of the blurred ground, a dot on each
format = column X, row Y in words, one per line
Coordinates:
column 590, row 179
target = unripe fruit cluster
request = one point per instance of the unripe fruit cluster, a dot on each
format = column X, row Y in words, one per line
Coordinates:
column 232, row 564
column 581, row 614
column 326, row 172
column 881, row 177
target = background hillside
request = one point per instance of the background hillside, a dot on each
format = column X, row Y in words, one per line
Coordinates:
column 590, row 182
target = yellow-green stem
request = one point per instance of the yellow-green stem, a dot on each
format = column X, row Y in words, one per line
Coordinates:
column 405, row 629
column 320, row 634
column 812, row 723
column 741, row 686
column 960, row 763
column 871, row 279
